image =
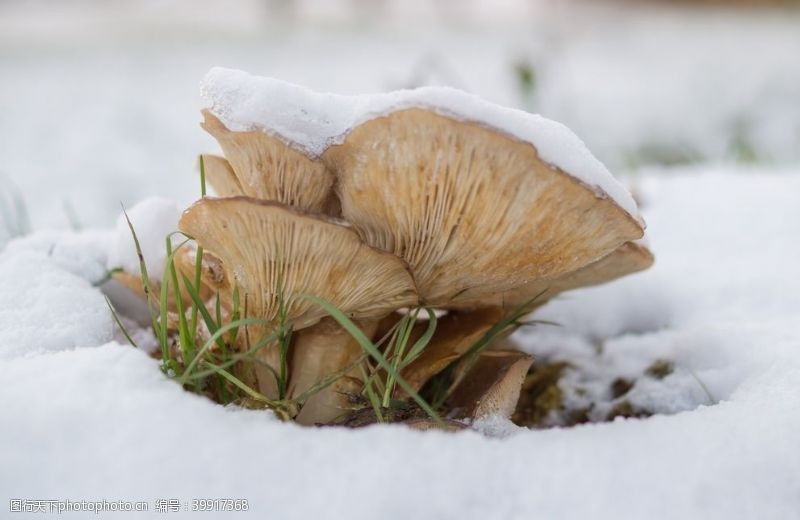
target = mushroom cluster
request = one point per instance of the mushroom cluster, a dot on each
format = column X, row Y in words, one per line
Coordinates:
column 411, row 207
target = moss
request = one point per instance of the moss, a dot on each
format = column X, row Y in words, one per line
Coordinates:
column 660, row 369
column 621, row 386
column 627, row 410
column 540, row 395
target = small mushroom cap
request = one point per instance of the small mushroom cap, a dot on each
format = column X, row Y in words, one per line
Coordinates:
column 493, row 385
column 220, row 176
column 472, row 210
column 267, row 168
column 629, row 258
column 273, row 252
column 212, row 275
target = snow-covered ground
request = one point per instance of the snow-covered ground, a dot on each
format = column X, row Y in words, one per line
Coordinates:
column 85, row 417
column 100, row 105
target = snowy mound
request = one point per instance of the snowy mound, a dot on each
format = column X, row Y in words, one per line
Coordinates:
column 50, row 310
column 311, row 121
column 152, row 219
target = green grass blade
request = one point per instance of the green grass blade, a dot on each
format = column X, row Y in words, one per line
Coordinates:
column 218, row 333
column 119, row 323
column 161, row 329
column 200, row 306
column 329, row 380
column 423, row 341
column 198, row 271
column 243, row 387
column 143, row 272
column 185, row 334
column 198, row 265
column 470, row 357
column 202, row 177
column 367, row 345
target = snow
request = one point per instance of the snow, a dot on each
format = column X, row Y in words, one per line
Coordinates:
column 314, row 121
column 83, row 254
column 721, row 302
column 152, row 219
column 45, row 308
column 97, row 108
column 733, row 290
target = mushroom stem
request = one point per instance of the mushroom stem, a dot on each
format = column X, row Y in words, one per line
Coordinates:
column 317, row 353
column 629, row 258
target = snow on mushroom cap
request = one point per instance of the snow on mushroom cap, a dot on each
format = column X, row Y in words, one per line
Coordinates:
column 314, row 121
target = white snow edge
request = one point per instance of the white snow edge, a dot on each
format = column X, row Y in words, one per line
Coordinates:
column 312, row 121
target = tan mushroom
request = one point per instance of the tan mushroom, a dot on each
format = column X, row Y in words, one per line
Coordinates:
column 322, row 351
column 221, row 177
column 473, row 211
column 184, row 263
column 481, row 220
column 629, row 258
column 492, row 385
column 212, row 274
column 461, row 330
column 269, row 169
column 273, row 252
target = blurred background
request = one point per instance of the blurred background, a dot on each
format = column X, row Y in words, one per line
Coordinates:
column 99, row 99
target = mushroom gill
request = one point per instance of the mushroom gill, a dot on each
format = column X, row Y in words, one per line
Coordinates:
column 269, row 169
column 473, row 211
column 629, row 258
column 273, row 253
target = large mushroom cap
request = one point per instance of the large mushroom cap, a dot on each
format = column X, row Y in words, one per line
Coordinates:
column 474, row 212
column 629, row 258
column 273, row 252
column 267, row 168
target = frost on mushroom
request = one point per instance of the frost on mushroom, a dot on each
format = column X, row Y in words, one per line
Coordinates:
column 377, row 204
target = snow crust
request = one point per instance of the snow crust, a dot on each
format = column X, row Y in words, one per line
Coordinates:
column 722, row 301
column 152, row 219
column 314, row 121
